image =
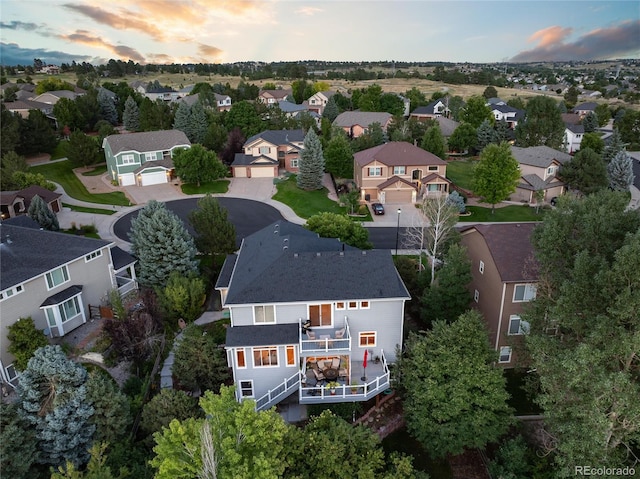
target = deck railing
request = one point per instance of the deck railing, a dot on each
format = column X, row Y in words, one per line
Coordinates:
column 328, row 344
column 279, row 392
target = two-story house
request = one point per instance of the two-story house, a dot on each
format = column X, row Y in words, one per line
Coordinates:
column 399, row 172
column 356, row 123
column 163, row 93
column 539, row 166
column 267, row 152
column 573, row 135
column 319, row 100
column 433, row 110
column 304, row 310
column 222, row 102
column 144, row 158
column 14, row 203
column 505, row 277
column 508, row 114
column 271, row 97
column 583, row 109
column 53, row 278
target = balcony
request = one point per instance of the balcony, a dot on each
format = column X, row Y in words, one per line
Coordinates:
column 126, row 284
column 320, row 340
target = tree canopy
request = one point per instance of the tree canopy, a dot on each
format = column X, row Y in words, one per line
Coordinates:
column 476, row 111
column 339, row 156
column 40, row 213
column 585, row 172
column 198, row 165
column 542, row 125
column 215, row 234
column 333, row 225
column 24, row 340
column 496, row 175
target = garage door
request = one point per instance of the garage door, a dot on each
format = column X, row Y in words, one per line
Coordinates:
column 127, row 179
column 239, row 172
column 397, row 196
column 262, row 172
column 154, row 178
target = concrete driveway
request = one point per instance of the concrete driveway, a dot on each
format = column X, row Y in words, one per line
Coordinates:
column 409, row 216
column 163, row 192
column 259, row 189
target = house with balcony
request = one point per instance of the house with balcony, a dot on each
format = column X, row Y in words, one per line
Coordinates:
column 539, row 167
column 304, row 312
column 399, row 172
column 504, row 280
column 268, row 152
column 53, row 278
column 144, row 158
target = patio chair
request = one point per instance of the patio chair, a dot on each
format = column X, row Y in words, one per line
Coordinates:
column 340, row 333
column 311, row 335
column 319, row 376
column 335, row 363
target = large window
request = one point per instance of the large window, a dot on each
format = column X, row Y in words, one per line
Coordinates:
column 128, row 159
column 367, row 338
column 320, row 314
column 69, row 309
column 240, row 361
column 291, row 356
column 11, row 372
column 524, row 292
column 264, row 150
column 375, row 171
column 150, row 156
column 246, row 388
column 399, row 170
column 264, row 314
column 505, row 354
column 57, row 277
column 294, row 163
column 517, row 326
column 265, row 357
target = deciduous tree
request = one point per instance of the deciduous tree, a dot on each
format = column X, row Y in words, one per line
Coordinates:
column 333, row 225
column 183, row 297
column 434, row 142
column 198, row 165
column 476, row 111
column 37, row 135
column 496, row 175
column 463, row 138
column 311, row 164
column 24, row 340
column 593, row 141
column 339, row 157
column 490, row 92
column 542, row 125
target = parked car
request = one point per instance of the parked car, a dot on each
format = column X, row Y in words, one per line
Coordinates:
column 377, row 208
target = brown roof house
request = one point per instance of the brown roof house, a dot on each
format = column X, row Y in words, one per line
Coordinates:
column 505, row 278
column 539, row 166
column 265, row 153
column 356, row 123
column 15, row 203
column 271, row 97
column 399, row 172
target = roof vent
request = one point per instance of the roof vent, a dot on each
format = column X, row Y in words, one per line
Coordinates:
column 275, row 228
column 341, row 253
column 285, row 248
column 295, row 255
column 318, row 254
column 364, row 253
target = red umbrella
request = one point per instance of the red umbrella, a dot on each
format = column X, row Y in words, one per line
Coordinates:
column 364, row 362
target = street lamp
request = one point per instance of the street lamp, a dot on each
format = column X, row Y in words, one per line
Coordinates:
column 398, row 230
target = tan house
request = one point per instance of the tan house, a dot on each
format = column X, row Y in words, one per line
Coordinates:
column 399, row 172
column 356, row 123
column 271, row 97
column 15, row 203
column 504, row 280
column 319, row 100
column 266, row 153
column 539, row 166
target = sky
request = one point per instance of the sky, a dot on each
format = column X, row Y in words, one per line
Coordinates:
column 227, row 31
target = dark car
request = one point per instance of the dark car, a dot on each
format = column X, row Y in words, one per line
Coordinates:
column 377, row 208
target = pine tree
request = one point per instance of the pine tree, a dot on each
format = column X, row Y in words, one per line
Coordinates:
column 199, row 124
column 107, row 107
column 41, row 214
column 433, row 142
column 182, row 120
column 311, row 165
column 614, row 147
column 53, row 398
column 131, row 115
column 486, row 135
column 215, row 233
column 162, row 244
column 330, row 110
column 503, row 133
column 590, row 122
column 111, row 406
column 19, row 445
column 621, row 171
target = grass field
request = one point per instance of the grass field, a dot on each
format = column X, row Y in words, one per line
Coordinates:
column 62, row 173
column 97, row 171
column 305, row 203
column 461, row 173
column 505, row 214
column 219, row 186
column 60, row 151
column 84, row 209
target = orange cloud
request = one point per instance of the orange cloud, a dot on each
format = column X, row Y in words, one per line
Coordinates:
column 126, row 20
column 209, row 51
column 121, row 51
column 550, row 35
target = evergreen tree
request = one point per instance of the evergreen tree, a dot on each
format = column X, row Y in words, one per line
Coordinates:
column 53, row 398
column 166, row 406
column 199, row 124
column 83, row 150
column 215, row 233
column 19, row 445
column 182, row 119
column 24, row 340
column 183, row 297
column 614, row 147
column 433, row 142
column 585, row 172
column 621, row 172
column 463, row 138
column 112, row 415
column 108, row 109
column 11, row 163
column 331, row 110
column 162, row 245
column 131, row 115
column 37, row 135
column 590, row 122
column 503, row 132
column 339, row 157
column 486, row 135
column 10, row 126
column 311, row 165
column 40, row 213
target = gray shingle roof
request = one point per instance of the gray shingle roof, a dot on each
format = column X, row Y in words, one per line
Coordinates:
column 287, row 263
column 26, row 253
column 62, row 296
column 121, row 258
column 240, row 159
column 362, row 118
column 225, row 273
column 533, row 182
column 588, row 106
column 574, row 128
column 397, row 153
column 540, row 156
column 278, row 137
column 147, row 141
column 263, row 335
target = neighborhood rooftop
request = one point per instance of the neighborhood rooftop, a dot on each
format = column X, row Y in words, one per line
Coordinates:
column 540, row 156
column 397, row 153
column 147, row 141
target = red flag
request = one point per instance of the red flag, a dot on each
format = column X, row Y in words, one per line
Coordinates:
column 366, row 354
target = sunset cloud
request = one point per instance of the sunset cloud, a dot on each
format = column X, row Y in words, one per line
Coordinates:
column 308, row 11
column 209, row 52
column 18, row 25
column 621, row 40
column 87, row 38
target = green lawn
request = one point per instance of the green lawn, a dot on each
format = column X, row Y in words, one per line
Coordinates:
column 504, row 214
column 306, row 203
column 219, row 186
column 97, row 171
column 84, row 209
column 61, row 172
column 461, row 172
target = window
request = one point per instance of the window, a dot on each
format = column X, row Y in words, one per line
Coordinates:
column 265, row 357
column 432, row 168
column 367, row 338
column 340, row 305
column 320, row 314
column 291, row 356
column 416, row 174
column 550, row 170
column 524, row 292
column 476, row 295
column 375, row 171
column 246, row 388
column 481, row 267
column 57, row 277
column 364, row 304
column 399, row 170
column 240, row 361
column 150, row 156
column 264, row 314
column 517, row 326
column 11, row 372
column 281, row 154
column 69, row 309
column 505, row 354
column 353, row 305
column 7, row 293
column 128, row 159
column 294, row 163
column 93, row 255
column 263, row 150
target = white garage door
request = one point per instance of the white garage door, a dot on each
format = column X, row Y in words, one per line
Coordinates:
column 240, row 172
column 154, row 178
column 262, row 172
column 127, row 179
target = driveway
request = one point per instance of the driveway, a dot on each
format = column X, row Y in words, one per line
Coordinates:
column 141, row 195
column 259, row 189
